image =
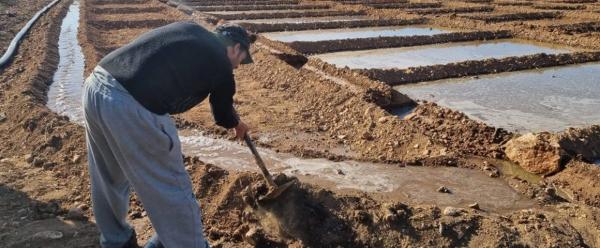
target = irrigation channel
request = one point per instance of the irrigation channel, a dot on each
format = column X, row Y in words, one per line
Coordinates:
column 408, row 184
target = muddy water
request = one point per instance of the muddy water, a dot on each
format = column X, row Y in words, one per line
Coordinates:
column 405, row 57
column 549, row 99
column 65, row 92
column 353, row 33
column 407, row 184
column 304, row 19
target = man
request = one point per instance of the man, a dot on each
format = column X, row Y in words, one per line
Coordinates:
column 131, row 139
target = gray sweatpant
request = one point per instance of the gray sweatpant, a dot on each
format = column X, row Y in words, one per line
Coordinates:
column 131, row 146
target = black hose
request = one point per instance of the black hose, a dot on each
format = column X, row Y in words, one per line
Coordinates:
column 12, row 48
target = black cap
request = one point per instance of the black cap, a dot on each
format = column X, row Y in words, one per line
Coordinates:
column 237, row 34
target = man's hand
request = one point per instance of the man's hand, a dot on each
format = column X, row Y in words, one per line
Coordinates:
column 240, row 130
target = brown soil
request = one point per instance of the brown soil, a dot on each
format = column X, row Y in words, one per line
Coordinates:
column 43, row 165
column 13, row 16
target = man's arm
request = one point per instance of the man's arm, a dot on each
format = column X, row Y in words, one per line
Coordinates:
column 221, row 103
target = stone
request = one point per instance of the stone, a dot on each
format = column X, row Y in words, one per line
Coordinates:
column 38, row 162
column 49, row 165
column 536, row 153
column 52, row 235
column 254, row 236
column 2, row 117
column 28, row 158
column 474, row 205
column 340, row 172
column 443, row 189
column 76, row 158
column 451, row 211
column 83, row 206
column 75, row 214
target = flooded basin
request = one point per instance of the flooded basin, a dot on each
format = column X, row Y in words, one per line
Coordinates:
column 304, row 19
column 549, row 99
column 405, row 57
column 353, row 33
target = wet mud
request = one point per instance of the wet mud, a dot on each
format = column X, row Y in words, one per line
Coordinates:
column 276, row 27
column 327, row 46
column 514, row 17
column 258, row 7
column 289, row 14
column 472, row 68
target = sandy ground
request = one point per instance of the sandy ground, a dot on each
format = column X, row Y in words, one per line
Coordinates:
column 44, row 185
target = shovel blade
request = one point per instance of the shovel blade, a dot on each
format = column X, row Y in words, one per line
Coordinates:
column 276, row 192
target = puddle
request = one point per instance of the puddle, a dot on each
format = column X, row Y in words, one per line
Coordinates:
column 405, row 57
column 407, row 184
column 353, row 33
column 549, row 99
column 304, row 19
column 65, row 91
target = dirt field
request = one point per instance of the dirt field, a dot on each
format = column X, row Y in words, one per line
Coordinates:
column 292, row 108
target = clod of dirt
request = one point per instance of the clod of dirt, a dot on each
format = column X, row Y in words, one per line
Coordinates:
column 537, row 153
column 452, row 211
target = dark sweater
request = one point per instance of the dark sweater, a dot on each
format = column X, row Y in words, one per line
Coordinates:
column 173, row 68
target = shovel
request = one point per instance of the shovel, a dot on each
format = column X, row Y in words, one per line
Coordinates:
column 274, row 189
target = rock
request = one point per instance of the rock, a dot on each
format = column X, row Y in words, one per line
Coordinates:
column 443, row 189
column 2, row 117
column 28, row 158
column 75, row 214
column 474, row 205
column 340, row 172
column 254, row 236
column 390, row 217
column 76, row 158
column 452, row 211
column 536, row 153
column 49, row 165
column 135, row 215
column 52, row 235
column 38, row 162
column 382, row 119
column 83, row 206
